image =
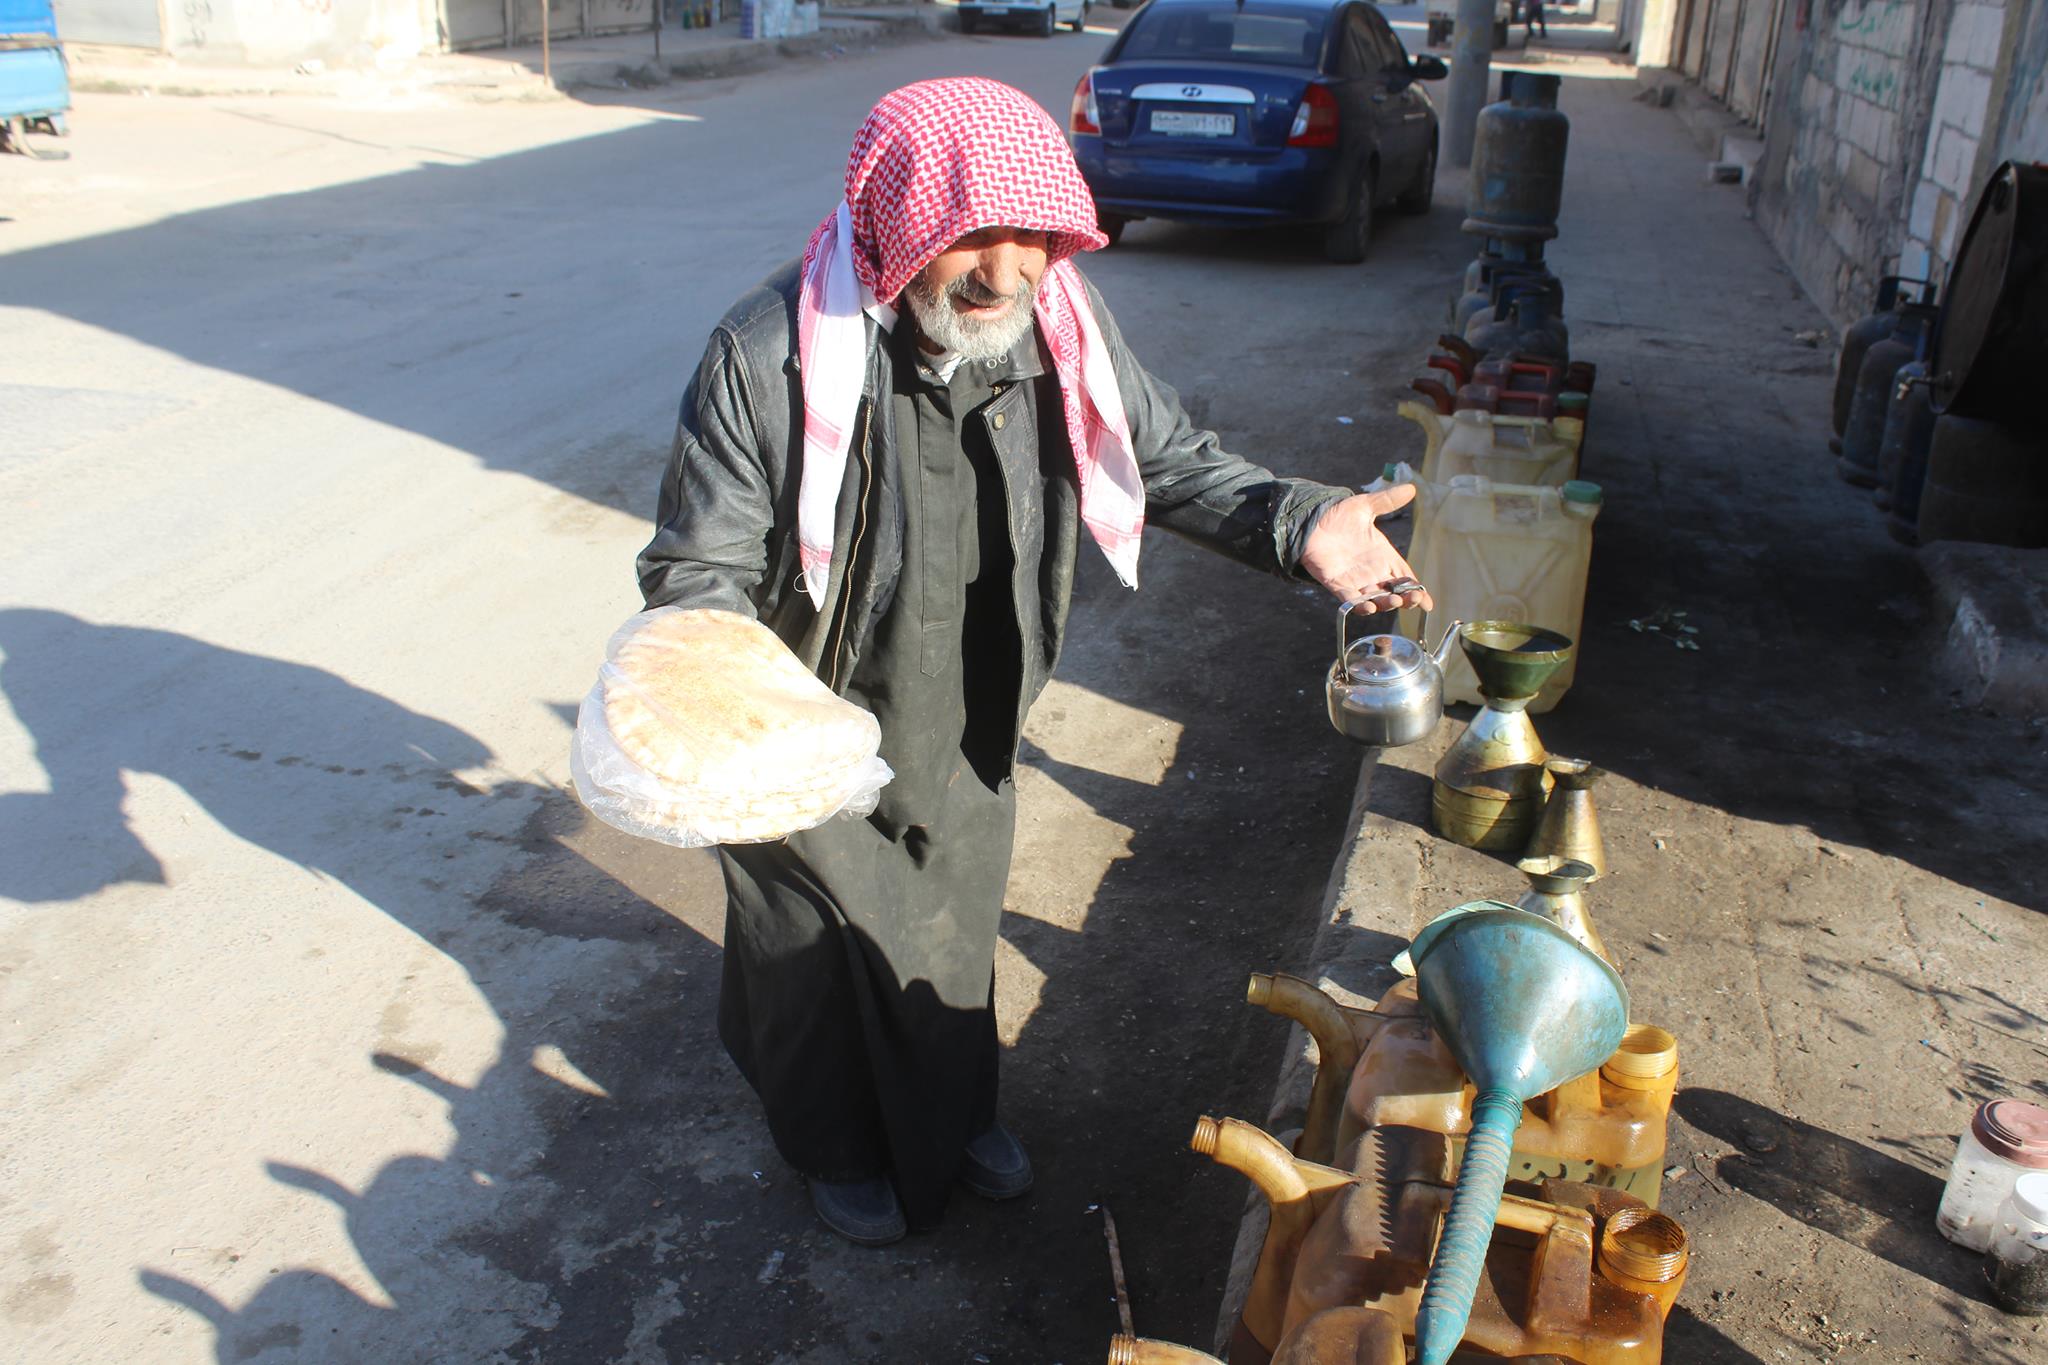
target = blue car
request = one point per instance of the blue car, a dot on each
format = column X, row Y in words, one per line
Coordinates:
column 1256, row 112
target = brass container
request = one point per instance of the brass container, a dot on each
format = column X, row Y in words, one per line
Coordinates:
column 1491, row 787
column 1557, row 891
column 1569, row 829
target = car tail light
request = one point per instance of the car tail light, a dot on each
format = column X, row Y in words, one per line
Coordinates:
column 1315, row 122
column 1085, row 117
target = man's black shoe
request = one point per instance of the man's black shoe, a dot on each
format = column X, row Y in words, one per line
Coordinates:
column 864, row 1212
column 996, row 1166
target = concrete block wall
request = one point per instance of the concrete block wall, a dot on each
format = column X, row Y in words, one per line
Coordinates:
column 1844, row 141
column 1942, row 200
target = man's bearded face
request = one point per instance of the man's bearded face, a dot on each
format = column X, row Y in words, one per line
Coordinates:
column 959, row 300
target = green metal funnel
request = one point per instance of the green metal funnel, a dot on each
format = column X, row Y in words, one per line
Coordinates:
column 1524, row 1007
column 1511, row 660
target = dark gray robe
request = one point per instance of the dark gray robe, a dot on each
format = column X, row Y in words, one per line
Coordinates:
column 858, row 996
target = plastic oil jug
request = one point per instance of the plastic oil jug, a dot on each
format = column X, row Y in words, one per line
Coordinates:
column 1607, row 1128
column 1503, row 552
column 1572, row 1270
column 1503, row 449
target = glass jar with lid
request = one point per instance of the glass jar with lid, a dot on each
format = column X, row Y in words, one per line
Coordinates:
column 2017, row 1264
column 2006, row 1139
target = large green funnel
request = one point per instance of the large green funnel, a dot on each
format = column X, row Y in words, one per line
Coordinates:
column 1524, row 1007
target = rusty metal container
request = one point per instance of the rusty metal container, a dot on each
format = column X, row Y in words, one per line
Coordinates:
column 1993, row 341
column 1985, row 482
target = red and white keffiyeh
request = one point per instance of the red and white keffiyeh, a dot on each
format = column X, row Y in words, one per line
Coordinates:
column 933, row 162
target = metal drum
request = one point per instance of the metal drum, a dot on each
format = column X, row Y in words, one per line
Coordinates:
column 1992, row 344
column 1986, row 483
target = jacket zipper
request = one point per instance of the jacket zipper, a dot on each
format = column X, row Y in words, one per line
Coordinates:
column 860, row 526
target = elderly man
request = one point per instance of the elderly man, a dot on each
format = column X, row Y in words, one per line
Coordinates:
column 890, row 454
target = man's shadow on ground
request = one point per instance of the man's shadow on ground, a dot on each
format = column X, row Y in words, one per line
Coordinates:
column 572, row 963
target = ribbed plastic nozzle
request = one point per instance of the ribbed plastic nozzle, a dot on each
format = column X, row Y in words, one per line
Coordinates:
column 1208, row 1133
column 1468, row 1227
column 1259, row 989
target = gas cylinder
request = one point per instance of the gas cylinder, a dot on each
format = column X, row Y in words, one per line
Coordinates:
column 1875, row 379
column 1527, row 320
column 1985, row 482
column 1485, row 294
column 1858, row 340
column 1518, row 153
column 1902, row 449
column 1493, row 251
column 1495, row 255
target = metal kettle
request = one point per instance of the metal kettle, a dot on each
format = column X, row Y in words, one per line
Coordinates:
column 1386, row 690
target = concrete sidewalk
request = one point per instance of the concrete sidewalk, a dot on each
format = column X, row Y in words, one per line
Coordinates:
column 614, row 62
column 1824, row 855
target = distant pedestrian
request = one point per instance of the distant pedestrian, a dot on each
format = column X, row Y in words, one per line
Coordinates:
column 1532, row 20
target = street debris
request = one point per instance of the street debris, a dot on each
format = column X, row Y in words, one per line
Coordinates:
column 1669, row 623
column 1978, row 927
column 1116, row 1273
column 771, row 1269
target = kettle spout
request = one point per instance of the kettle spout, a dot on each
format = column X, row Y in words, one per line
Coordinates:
column 1442, row 652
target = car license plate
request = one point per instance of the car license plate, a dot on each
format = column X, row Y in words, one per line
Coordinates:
column 1194, row 125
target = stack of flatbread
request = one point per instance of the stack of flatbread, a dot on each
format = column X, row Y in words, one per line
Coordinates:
column 704, row 729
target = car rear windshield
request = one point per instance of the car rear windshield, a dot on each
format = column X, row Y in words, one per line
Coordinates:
column 1267, row 34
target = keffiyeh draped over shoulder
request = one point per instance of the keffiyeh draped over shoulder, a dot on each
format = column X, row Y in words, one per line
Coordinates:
column 933, row 162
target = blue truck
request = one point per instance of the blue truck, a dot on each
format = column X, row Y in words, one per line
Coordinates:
column 35, row 86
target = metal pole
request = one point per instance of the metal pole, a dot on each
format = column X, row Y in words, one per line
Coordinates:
column 1471, row 64
column 657, row 30
column 547, row 70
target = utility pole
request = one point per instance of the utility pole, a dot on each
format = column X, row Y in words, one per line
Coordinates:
column 1471, row 64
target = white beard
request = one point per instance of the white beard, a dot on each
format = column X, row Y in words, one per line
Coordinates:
column 970, row 338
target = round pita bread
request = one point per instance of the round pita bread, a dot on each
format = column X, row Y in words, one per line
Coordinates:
column 743, row 742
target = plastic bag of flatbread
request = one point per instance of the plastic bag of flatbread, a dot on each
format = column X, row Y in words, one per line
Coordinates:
column 703, row 728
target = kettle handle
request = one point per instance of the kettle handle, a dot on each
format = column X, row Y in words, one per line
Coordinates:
column 1344, row 611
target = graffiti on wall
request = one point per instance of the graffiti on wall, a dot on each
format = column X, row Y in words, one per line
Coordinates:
column 1874, row 20
column 1876, row 82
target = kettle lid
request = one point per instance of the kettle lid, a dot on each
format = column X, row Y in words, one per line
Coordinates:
column 1382, row 658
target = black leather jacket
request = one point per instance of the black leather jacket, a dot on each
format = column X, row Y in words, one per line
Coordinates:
column 726, row 534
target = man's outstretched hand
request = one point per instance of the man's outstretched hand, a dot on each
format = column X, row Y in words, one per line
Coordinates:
column 1347, row 554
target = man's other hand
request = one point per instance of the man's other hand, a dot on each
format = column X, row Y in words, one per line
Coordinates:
column 1347, row 554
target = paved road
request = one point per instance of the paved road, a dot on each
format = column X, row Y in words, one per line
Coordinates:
column 333, row 1031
